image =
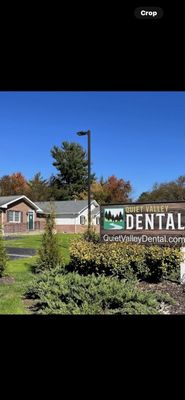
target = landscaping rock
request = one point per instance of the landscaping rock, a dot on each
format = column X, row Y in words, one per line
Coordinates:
column 7, row 280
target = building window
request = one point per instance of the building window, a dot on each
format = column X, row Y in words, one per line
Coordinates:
column 82, row 219
column 10, row 216
column 17, row 216
column 14, row 216
column 97, row 220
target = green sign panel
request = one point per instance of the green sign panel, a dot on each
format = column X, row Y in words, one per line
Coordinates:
column 114, row 218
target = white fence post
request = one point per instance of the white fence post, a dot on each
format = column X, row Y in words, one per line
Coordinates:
column 182, row 267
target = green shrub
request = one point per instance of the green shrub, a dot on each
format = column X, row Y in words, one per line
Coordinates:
column 123, row 260
column 47, row 278
column 91, row 236
column 162, row 262
column 3, row 255
column 72, row 293
column 49, row 254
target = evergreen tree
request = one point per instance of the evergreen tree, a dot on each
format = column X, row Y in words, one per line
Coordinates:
column 38, row 188
column 117, row 217
column 49, row 254
column 120, row 216
column 55, row 191
column 72, row 165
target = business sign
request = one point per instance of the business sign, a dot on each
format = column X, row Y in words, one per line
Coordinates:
column 160, row 223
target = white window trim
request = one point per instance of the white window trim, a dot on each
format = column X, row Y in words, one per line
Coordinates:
column 15, row 222
column 98, row 220
column 84, row 219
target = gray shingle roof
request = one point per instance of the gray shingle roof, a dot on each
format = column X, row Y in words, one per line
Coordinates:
column 64, row 207
column 7, row 199
column 60, row 207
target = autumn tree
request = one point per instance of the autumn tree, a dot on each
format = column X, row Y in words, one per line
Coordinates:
column 5, row 185
column 14, row 184
column 98, row 192
column 19, row 183
column 112, row 190
column 117, row 190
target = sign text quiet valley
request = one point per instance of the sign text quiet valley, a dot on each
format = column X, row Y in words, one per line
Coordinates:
column 147, row 208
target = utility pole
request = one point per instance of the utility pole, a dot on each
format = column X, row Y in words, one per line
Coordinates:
column 88, row 133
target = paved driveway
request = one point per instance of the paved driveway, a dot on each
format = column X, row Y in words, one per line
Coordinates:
column 14, row 252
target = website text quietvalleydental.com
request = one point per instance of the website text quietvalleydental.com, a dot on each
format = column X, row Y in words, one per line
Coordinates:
column 144, row 239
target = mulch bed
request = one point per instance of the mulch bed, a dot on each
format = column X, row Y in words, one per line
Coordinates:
column 175, row 290
column 30, row 304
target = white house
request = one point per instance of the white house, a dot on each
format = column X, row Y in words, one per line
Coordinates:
column 72, row 215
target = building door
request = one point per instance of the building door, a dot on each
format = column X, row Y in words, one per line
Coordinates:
column 30, row 220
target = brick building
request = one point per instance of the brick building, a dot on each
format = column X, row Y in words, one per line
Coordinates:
column 18, row 214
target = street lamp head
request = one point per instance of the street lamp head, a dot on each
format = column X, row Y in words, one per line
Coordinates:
column 81, row 133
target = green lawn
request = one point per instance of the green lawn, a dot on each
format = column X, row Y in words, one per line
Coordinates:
column 34, row 241
column 11, row 295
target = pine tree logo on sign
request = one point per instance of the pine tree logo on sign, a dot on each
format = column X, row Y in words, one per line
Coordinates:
column 114, row 218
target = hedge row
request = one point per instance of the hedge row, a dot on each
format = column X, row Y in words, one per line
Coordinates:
column 123, row 260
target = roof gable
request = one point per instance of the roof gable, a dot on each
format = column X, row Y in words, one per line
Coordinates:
column 7, row 200
column 96, row 211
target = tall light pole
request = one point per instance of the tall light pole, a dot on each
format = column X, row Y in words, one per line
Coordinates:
column 88, row 133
